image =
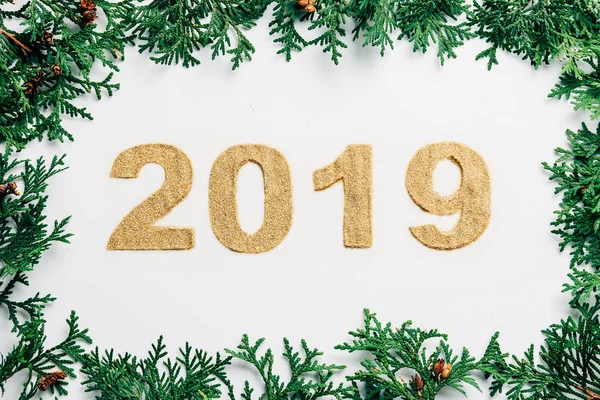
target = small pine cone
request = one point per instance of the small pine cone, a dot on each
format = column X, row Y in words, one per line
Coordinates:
column 88, row 12
column 60, row 375
column 9, row 188
column 89, row 16
column 56, row 70
column 438, row 367
column 88, row 5
column 31, row 86
column 51, row 379
column 446, row 371
column 310, row 6
column 418, row 382
column 47, row 38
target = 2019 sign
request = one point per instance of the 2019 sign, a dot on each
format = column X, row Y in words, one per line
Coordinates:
column 353, row 168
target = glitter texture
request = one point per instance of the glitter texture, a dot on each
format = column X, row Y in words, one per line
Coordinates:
column 222, row 197
column 136, row 231
column 472, row 199
column 354, row 168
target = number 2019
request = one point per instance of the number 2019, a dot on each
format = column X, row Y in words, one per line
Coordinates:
column 353, row 168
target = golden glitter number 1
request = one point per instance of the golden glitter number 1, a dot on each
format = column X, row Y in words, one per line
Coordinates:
column 136, row 231
column 471, row 200
column 355, row 170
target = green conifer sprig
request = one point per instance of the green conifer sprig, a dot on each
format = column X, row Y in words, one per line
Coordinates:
column 45, row 65
column 33, row 307
column 310, row 378
column 174, row 30
column 570, row 362
column 578, row 218
column 583, row 286
column 394, row 352
column 543, row 31
column 30, row 353
column 23, row 230
column 192, row 375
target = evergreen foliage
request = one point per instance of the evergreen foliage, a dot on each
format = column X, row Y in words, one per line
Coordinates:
column 30, row 353
column 174, row 29
column 570, row 362
column 48, row 51
column 23, row 230
column 578, row 218
column 394, row 352
column 192, row 375
column 310, row 379
column 46, row 64
column 542, row 31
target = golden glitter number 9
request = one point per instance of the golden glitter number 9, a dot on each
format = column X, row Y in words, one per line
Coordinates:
column 471, row 200
column 278, row 198
column 136, row 231
column 354, row 168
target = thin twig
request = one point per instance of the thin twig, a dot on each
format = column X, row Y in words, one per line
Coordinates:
column 591, row 395
column 16, row 41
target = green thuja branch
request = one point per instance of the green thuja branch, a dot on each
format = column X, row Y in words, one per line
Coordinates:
column 577, row 221
column 427, row 22
column 570, row 362
column 283, row 28
column 310, row 379
column 46, row 368
column 583, row 286
column 394, row 352
column 23, row 238
column 23, row 230
column 192, row 375
column 581, row 84
column 175, row 29
column 46, row 65
column 542, row 31
column 32, row 307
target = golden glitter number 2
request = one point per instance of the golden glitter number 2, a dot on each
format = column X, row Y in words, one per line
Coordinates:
column 471, row 199
column 137, row 230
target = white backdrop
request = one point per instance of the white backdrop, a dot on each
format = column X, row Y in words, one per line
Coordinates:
column 310, row 286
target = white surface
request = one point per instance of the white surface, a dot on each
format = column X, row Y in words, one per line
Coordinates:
column 310, row 286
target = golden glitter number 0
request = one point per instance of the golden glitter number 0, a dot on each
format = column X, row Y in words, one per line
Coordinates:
column 136, row 231
column 471, row 200
column 354, row 169
column 278, row 198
